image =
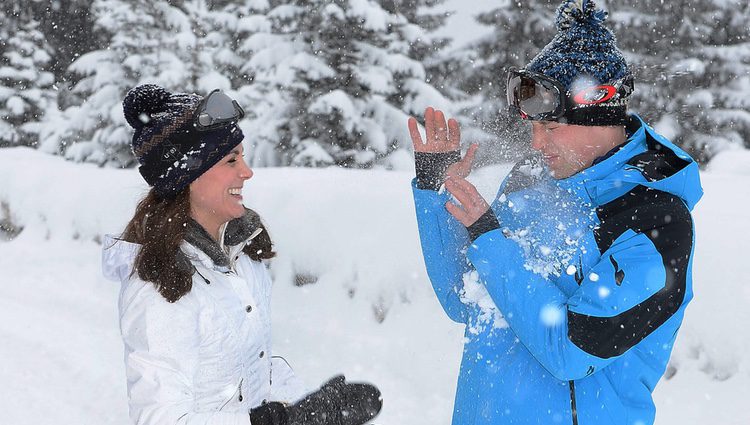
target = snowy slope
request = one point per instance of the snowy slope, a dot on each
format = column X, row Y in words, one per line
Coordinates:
column 371, row 314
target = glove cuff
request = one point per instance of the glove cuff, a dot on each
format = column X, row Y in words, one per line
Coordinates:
column 432, row 166
column 487, row 222
column 273, row 413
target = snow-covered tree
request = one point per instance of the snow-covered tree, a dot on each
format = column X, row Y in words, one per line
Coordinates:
column 478, row 71
column 427, row 47
column 68, row 27
column 26, row 86
column 692, row 63
column 185, row 46
column 334, row 83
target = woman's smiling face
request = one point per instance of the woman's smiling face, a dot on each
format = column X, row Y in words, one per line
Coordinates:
column 216, row 196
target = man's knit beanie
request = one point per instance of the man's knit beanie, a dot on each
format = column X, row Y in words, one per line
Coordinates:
column 583, row 55
column 171, row 152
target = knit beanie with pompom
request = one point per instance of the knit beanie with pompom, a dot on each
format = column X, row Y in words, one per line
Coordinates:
column 171, row 152
column 582, row 56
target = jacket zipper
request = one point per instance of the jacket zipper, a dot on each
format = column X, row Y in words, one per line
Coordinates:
column 573, row 402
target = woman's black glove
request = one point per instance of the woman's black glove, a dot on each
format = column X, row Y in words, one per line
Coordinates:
column 335, row 403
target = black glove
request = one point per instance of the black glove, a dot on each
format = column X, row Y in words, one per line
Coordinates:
column 335, row 403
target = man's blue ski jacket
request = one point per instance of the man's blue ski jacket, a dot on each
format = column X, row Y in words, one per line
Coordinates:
column 591, row 274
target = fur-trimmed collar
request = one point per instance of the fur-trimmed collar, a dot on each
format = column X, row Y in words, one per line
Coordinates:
column 238, row 231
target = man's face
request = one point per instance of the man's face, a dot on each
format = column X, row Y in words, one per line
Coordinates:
column 568, row 149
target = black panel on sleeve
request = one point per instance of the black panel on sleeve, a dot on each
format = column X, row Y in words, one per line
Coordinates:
column 666, row 221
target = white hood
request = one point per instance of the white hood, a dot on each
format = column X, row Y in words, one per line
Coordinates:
column 118, row 257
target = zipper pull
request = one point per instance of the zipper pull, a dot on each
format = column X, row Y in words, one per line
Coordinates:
column 240, row 398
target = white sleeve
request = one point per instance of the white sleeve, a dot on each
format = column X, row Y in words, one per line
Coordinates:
column 161, row 356
column 286, row 387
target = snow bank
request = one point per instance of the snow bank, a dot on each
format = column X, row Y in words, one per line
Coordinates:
column 731, row 161
column 370, row 313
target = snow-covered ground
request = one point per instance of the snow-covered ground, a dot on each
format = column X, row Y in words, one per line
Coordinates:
column 371, row 314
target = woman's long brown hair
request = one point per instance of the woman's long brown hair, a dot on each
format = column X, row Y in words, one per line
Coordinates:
column 159, row 226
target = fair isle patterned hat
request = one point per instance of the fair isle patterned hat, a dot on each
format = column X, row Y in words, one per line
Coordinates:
column 583, row 55
column 171, row 152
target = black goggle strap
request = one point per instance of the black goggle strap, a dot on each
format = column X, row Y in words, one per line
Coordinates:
column 217, row 109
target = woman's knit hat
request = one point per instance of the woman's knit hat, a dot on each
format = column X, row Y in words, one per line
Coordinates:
column 584, row 54
column 171, row 151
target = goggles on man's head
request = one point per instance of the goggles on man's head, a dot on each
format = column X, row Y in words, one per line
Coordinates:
column 538, row 97
column 217, row 110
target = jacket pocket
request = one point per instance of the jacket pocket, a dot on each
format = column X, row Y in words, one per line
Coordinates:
column 237, row 395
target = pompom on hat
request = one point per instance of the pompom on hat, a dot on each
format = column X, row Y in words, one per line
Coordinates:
column 171, row 151
column 582, row 55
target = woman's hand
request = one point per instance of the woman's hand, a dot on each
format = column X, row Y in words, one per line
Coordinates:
column 337, row 402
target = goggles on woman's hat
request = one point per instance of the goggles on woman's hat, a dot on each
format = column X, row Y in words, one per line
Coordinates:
column 537, row 97
column 217, row 110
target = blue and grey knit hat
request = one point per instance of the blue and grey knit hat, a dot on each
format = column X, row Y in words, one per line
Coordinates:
column 582, row 55
column 171, row 152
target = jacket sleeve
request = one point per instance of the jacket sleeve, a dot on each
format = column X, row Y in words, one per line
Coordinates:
column 443, row 240
column 286, row 387
column 638, row 284
column 161, row 357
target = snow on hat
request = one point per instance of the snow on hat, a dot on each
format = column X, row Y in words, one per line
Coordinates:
column 584, row 54
column 171, row 152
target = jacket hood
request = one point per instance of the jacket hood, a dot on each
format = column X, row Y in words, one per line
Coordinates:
column 647, row 159
column 117, row 258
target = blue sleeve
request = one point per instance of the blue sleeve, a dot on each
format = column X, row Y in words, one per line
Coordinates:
column 443, row 241
column 636, row 286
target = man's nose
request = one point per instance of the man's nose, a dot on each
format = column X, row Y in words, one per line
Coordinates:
column 538, row 137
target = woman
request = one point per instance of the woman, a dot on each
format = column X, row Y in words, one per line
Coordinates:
column 195, row 298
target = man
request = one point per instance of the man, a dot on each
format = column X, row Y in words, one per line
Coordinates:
column 588, row 259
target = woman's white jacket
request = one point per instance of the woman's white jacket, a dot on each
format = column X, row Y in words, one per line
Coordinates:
column 205, row 359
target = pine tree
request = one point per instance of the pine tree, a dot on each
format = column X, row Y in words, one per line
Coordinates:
column 479, row 70
column 26, row 86
column 68, row 27
column 692, row 63
column 424, row 46
column 184, row 46
column 335, row 81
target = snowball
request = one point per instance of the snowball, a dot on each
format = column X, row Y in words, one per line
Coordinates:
column 551, row 315
column 604, row 292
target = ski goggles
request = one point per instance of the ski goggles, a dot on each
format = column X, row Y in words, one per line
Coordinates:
column 217, row 110
column 538, row 97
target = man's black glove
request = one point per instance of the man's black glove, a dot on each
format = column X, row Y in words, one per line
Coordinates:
column 335, row 403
